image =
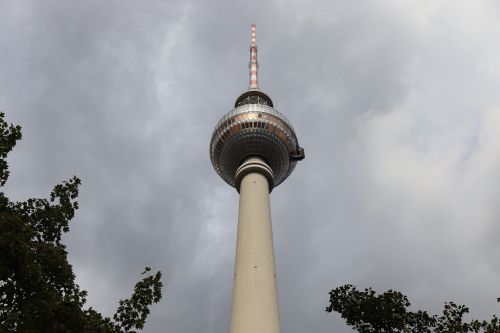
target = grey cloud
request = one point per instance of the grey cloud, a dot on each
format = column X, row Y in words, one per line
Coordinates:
column 395, row 105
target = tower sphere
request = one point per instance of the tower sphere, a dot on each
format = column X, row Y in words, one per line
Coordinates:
column 254, row 128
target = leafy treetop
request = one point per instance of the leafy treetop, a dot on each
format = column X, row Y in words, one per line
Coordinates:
column 368, row 312
column 38, row 292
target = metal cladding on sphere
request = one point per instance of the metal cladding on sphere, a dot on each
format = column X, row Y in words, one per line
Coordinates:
column 254, row 128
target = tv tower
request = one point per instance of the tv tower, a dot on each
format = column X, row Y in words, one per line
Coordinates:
column 254, row 149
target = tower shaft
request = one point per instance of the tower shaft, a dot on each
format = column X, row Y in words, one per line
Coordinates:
column 255, row 297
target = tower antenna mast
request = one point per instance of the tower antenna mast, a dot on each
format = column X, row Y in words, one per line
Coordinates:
column 253, row 65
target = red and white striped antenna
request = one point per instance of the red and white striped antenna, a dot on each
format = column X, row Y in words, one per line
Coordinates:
column 253, row 65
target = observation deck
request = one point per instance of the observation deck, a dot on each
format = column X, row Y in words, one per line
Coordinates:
column 254, row 128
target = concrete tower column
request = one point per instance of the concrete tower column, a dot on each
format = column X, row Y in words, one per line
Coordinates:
column 255, row 297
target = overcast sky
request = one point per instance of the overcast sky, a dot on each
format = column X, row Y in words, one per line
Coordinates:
column 396, row 103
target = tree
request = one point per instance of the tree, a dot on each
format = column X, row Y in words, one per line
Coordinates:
column 368, row 312
column 38, row 292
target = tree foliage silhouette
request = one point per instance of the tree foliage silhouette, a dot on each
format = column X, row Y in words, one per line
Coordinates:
column 369, row 312
column 38, row 292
